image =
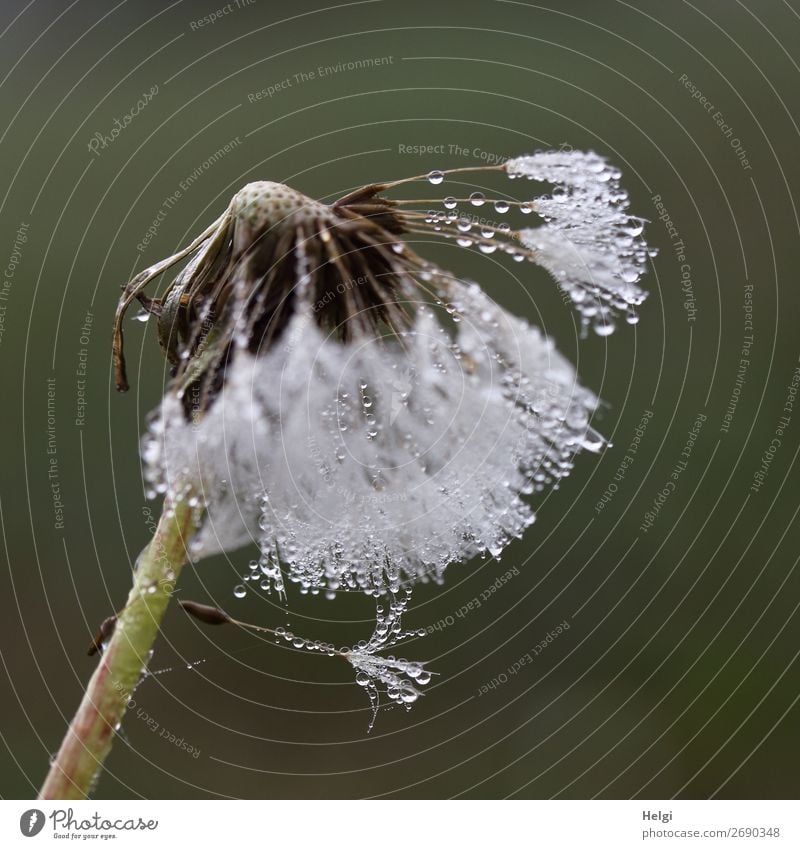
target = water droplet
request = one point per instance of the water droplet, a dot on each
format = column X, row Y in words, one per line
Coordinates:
column 435, row 178
column 240, row 591
column 477, row 199
column 501, row 206
column 634, row 228
column 592, row 441
column 604, row 326
column 450, row 203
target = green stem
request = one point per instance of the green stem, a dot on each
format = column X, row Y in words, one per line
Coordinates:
column 91, row 733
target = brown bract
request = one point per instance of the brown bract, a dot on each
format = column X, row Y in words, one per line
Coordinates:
column 272, row 248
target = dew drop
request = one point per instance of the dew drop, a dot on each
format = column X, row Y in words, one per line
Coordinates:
column 635, row 228
column 477, row 199
column 435, row 178
column 592, row 441
column 604, row 327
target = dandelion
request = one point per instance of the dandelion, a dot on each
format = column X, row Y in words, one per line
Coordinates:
column 363, row 415
column 398, row 679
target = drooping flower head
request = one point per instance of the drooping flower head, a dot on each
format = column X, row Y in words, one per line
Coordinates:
column 362, row 414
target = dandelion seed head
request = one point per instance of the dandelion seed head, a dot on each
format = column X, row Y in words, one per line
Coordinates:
column 362, row 415
column 367, row 465
column 264, row 204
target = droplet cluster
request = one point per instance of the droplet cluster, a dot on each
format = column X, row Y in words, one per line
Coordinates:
column 372, row 465
column 589, row 243
column 395, row 678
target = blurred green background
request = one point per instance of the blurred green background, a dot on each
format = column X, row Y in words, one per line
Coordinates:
column 678, row 675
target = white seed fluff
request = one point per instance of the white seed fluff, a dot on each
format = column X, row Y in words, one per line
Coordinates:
column 589, row 243
column 368, row 464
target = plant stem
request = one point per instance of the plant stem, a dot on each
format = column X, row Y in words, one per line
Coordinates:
column 91, row 733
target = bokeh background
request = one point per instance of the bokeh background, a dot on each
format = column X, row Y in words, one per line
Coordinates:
column 678, row 674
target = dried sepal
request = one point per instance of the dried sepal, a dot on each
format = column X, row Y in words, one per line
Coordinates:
column 206, row 613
